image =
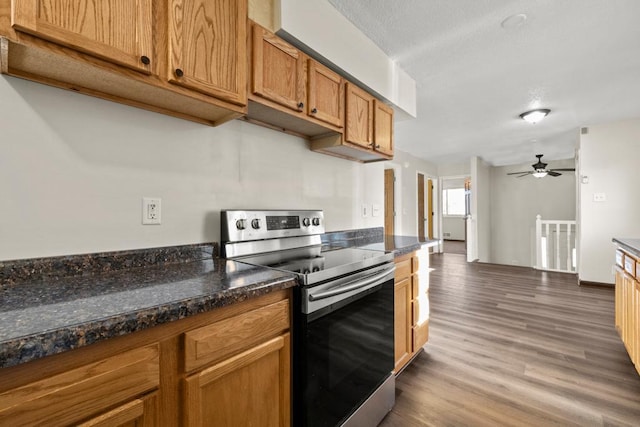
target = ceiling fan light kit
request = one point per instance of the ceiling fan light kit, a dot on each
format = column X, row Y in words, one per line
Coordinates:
column 534, row 116
column 540, row 170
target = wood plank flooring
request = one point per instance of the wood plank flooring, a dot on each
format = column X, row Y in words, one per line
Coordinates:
column 512, row 346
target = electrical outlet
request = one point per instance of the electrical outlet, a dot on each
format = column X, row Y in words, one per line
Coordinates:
column 151, row 210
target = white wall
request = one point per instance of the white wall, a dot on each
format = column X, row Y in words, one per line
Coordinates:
column 407, row 168
column 73, row 170
column 455, row 169
column 479, row 241
column 515, row 202
column 453, row 227
column 608, row 157
column 317, row 24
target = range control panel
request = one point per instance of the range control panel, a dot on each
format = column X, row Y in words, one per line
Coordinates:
column 247, row 225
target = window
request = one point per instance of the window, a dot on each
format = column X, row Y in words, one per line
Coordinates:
column 453, row 202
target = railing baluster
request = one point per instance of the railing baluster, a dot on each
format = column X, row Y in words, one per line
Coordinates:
column 569, row 266
column 558, row 246
column 548, row 257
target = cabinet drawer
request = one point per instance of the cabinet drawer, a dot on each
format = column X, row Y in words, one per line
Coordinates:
column 415, row 286
column 420, row 336
column 82, row 392
column 403, row 269
column 415, row 264
column 229, row 336
column 629, row 265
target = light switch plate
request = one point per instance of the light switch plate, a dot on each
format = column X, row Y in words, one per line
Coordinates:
column 599, row 197
column 365, row 210
column 375, row 210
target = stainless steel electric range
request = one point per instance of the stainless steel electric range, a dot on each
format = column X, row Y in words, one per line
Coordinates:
column 343, row 314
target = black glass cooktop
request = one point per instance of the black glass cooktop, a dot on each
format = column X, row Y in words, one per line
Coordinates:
column 313, row 265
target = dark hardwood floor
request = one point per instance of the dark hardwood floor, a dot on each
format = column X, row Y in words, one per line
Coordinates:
column 512, row 346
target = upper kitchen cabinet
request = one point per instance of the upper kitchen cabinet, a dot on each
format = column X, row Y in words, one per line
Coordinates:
column 185, row 58
column 368, row 130
column 115, row 30
column 383, row 128
column 290, row 91
column 278, row 70
column 325, row 94
column 359, row 128
column 208, row 47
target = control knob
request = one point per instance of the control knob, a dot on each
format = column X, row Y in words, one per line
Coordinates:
column 241, row 224
column 306, row 222
column 316, row 221
column 255, row 223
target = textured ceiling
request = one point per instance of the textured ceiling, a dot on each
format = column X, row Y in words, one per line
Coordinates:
column 579, row 58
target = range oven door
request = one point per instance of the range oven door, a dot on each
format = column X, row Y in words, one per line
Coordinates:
column 344, row 346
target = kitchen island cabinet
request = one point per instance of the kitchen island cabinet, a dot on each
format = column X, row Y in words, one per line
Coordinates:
column 169, row 345
column 627, row 296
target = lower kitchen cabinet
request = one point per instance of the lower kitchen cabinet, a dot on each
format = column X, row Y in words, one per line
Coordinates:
column 411, row 306
column 250, row 389
column 627, row 304
column 227, row 367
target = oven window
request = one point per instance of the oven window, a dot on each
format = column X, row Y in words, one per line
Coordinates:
column 343, row 357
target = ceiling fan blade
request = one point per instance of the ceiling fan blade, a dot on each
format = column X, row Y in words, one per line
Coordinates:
column 518, row 173
column 564, row 169
column 524, row 174
column 552, row 173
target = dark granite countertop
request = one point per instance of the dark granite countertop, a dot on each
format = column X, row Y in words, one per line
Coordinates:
column 50, row 315
column 400, row 245
column 630, row 245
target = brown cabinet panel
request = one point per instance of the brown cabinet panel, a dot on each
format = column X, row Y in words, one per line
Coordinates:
column 403, row 269
column 359, row 116
column 250, row 389
column 402, row 323
column 278, row 70
column 120, row 31
column 82, row 392
column 420, row 336
column 208, row 47
column 326, row 94
column 226, row 337
column 137, row 413
column 383, row 128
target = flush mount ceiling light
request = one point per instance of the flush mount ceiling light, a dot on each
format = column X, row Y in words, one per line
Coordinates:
column 534, row 116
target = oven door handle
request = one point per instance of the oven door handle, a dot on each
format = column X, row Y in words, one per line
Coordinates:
column 350, row 286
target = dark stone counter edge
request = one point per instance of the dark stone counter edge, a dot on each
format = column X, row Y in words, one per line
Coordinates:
column 32, row 347
column 627, row 245
column 412, row 248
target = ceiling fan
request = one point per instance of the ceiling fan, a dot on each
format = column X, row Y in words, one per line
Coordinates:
column 540, row 170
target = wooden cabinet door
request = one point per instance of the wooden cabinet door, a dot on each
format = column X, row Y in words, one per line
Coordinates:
column 402, row 323
column 249, row 389
column 383, row 128
column 120, row 31
column 326, row 90
column 359, row 116
column 207, row 49
column 619, row 295
column 278, row 70
column 137, row 413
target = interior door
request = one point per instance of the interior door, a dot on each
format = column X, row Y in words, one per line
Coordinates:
column 430, row 212
column 389, row 213
column 421, row 216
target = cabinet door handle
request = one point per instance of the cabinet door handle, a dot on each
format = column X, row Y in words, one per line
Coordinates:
column 370, row 144
column 179, row 72
column 300, row 105
column 145, row 60
column 315, row 110
column 378, row 146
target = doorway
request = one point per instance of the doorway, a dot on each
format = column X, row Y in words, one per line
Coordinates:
column 426, row 213
column 455, row 210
